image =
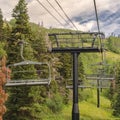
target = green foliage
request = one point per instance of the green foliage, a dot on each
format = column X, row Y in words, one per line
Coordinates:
column 88, row 60
column 107, row 93
column 66, row 67
column 37, row 41
column 116, row 105
column 55, row 104
column 12, row 22
column 66, row 98
column 81, row 71
column 114, row 44
column 85, row 94
column 88, row 110
column 21, row 31
column 57, row 30
column 1, row 25
column 21, row 17
column 6, row 31
column 37, row 111
column 53, row 88
column 116, row 99
column 21, row 99
column 26, row 103
column 2, row 51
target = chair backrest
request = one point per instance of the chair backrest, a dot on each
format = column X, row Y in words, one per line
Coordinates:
column 29, row 73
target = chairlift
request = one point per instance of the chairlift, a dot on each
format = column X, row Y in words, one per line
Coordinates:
column 69, row 84
column 102, row 83
column 97, row 76
column 75, row 40
column 39, row 77
column 104, row 80
column 22, row 73
column 100, row 64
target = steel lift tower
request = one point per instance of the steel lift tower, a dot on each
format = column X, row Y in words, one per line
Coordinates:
column 75, row 43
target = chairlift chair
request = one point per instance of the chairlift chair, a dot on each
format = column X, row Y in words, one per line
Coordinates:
column 69, row 84
column 104, row 80
column 28, row 72
column 35, row 77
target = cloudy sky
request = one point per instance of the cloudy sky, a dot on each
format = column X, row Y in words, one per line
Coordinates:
column 80, row 12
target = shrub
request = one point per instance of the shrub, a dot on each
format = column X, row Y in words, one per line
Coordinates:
column 55, row 103
column 85, row 94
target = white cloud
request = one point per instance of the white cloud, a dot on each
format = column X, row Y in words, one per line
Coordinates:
column 7, row 7
column 73, row 8
column 86, row 26
column 110, row 29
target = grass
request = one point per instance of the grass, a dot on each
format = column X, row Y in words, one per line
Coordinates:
column 88, row 110
column 112, row 56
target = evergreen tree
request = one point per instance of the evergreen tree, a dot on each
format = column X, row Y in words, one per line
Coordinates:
column 22, row 100
column 66, row 68
column 21, row 31
column 1, row 25
column 6, row 30
column 22, row 18
column 116, row 99
column 113, row 44
column 81, row 71
column 66, row 72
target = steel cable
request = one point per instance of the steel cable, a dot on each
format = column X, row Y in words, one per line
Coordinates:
column 98, row 27
column 66, row 15
column 49, row 12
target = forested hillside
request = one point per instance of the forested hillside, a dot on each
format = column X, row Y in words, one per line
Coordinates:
column 54, row 101
column 48, row 102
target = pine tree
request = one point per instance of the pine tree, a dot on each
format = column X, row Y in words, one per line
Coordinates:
column 22, row 19
column 66, row 68
column 6, row 31
column 1, row 25
column 81, row 71
column 116, row 99
column 22, row 99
